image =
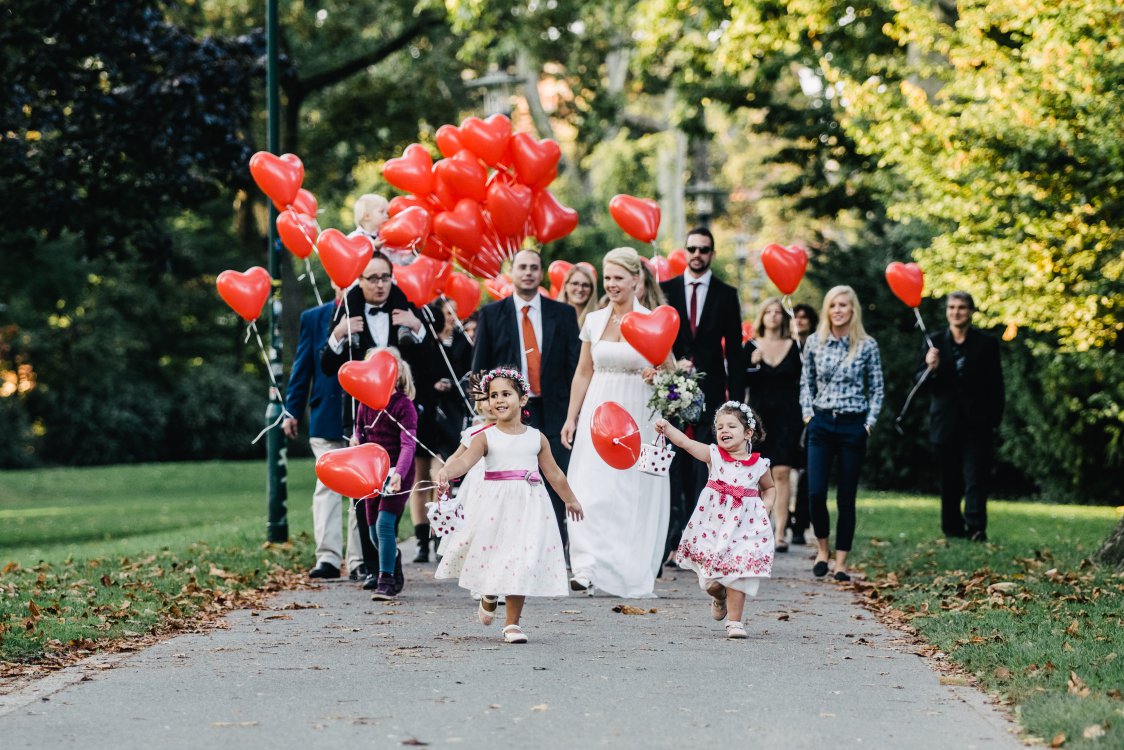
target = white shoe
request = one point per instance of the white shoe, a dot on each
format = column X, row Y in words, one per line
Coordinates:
column 514, row 634
column 487, row 610
column 735, row 630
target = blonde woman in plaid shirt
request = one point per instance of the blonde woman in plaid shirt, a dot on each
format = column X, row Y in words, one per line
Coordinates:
column 840, row 396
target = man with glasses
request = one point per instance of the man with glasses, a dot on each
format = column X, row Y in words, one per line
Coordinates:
column 709, row 341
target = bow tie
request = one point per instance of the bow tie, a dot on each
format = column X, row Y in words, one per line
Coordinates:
column 372, row 310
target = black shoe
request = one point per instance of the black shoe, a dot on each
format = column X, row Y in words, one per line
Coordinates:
column 782, row 547
column 371, row 582
column 421, row 532
column 841, row 576
column 358, row 573
column 423, row 554
column 798, row 539
column 324, row 570
column 978, row 536
column 819, row 570
column 384, row 590
column 399, row 576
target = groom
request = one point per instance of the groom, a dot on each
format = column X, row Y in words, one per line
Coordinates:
column 540, row 337
column 709, row 341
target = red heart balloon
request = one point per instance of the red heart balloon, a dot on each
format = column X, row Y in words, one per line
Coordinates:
column 278, row 177
column 343, row 258
column 747, row 331
column 358, row 471
column 661, row 266
column 371, row 381
column 400, row 203
column 638, row 217
column 550, row 218
column 677, row 261
column 449, row 140
column 463, row 227
column 486, row 265
column 557, row 273
column 407, row 229
column 509, row 206
column 784, row 266
column 652, row 334
column 465, row 292
column 463, row 175
column 245, row 292
column 436, row 249
column 500, row 287
column 412, row 172
column 297, row 232
column 616, row 438
column 304, row 203
column 907, row 281
column 534, row 160
column 417, row 280
column 487, row 138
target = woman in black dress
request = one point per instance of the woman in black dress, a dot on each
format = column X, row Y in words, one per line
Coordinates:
column 773, row 377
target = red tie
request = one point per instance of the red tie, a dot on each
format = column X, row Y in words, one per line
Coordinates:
column 694, row 317
column 531, row 345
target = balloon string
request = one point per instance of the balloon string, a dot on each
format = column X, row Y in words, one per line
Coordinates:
column 441, row 348
column 786, row 303
column 921, row 325
column 617, row 441
column 410, row 434
column 347, row 317
column 307, row 264
column 312, row 280
column 275, row 390
column 908, row 400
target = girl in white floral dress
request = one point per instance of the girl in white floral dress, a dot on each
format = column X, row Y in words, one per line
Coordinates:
column 729, row 542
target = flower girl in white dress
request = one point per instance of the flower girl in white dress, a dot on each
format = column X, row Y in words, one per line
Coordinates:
column 511, row 544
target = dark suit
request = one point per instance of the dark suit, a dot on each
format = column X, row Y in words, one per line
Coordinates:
column 498, row 342
column 720, row 320
column 964, row 412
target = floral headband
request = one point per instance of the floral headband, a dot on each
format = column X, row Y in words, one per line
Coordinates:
column 505, row 372
column 744, row 410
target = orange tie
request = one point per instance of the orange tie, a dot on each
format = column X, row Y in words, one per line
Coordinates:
column 531, row 344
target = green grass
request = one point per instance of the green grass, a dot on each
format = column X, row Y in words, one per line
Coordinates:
column 1049, row 638
column 95, row 555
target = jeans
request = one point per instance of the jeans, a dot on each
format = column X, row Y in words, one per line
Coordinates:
column 834, row 436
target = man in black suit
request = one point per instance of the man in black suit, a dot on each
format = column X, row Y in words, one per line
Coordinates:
column 963, row 373
column 709, row 341
column 540, row 337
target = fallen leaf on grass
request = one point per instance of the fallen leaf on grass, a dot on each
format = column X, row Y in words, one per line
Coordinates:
column 1077, row 686
column 1115, row 693
column 1093, row 732
column 1002, row 673
column 541, row 707
column 1059, row 740
column 1072, row 629
column 628, row 609
column 1003, row 587
column 11, row 567
column 218, row 572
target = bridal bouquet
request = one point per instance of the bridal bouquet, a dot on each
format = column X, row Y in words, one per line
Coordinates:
column 677, row 395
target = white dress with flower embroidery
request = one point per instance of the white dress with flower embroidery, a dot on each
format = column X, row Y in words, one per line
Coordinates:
column 510, row 543
column 729, row 538
column 468, row 482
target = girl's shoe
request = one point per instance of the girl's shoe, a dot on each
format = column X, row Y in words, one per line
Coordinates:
column 580, row 584
column 384, row 591
column 718, row 603
column 514, row 634
column 487, row 609
column 735, row 630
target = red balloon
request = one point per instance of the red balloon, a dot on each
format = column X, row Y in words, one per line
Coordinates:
column 465, row 292
column 436, row 249
column 400, row 203
column 677, row 261
column 784, row 266
column 245, row 292
column 550, row 218
column 500, row 286
column 661, row 266
column 279, row 177
column 509, row 206
column 534, row 160
column 639, row 217
column 358, row 471
column 371, row 381
column 487, row 138
column 408, row 228
column 482, row 264
column 747, row 332
column 907, row 281
column 449, row 140
column 417, row 280
column 652, row 334
column 615, row 435
column 343, row 258
column 463, row 227
column 304, row 203
column 557, row 273
column 463, row 175
column 412, row 172
column 297, row 232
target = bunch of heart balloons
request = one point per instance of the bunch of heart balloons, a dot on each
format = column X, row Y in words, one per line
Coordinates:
column 478, row 203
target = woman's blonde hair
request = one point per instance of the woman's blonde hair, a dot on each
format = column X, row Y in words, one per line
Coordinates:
column 653, row 295
column 759, row 323
column 405, row 374
column 591, row 303
column 625, row 257
column 857, row 333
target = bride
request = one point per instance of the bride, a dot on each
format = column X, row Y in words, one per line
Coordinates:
column 619, row 549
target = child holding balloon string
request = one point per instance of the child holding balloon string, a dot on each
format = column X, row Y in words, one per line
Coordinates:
column 729, row 541
column 380, row 517
column 511, row 544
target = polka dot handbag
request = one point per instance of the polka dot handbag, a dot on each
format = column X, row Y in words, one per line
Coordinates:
column 445, row 516
column 655, row 457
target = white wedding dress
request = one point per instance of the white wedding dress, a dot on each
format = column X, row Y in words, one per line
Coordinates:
column 619, row 545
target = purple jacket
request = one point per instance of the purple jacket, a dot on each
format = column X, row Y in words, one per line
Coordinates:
column 399, row 446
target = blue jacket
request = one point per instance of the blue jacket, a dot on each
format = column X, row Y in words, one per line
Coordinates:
column 307, row 382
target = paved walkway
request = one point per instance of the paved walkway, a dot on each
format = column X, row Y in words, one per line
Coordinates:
column 330, row 668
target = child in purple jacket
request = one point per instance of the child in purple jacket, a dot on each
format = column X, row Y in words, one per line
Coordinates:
column 394, row 429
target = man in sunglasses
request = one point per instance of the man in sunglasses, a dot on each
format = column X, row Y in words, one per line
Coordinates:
column 709, row 341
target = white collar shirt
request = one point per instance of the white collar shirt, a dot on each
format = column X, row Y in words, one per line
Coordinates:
column 701, row 290
column 378, row 323
column 535, row 314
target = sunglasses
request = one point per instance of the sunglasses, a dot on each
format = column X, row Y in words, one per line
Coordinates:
column 700, row 249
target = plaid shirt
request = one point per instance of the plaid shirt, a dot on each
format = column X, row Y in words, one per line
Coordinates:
column 828, row 381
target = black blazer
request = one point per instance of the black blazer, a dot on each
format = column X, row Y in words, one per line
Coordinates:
column 719, row 321
column 974, row 401
column 497, row 343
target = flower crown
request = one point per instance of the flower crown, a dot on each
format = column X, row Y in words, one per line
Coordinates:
column 505, row 372
column 744, row 410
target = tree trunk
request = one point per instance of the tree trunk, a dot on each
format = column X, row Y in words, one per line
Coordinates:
column 1111, row 552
